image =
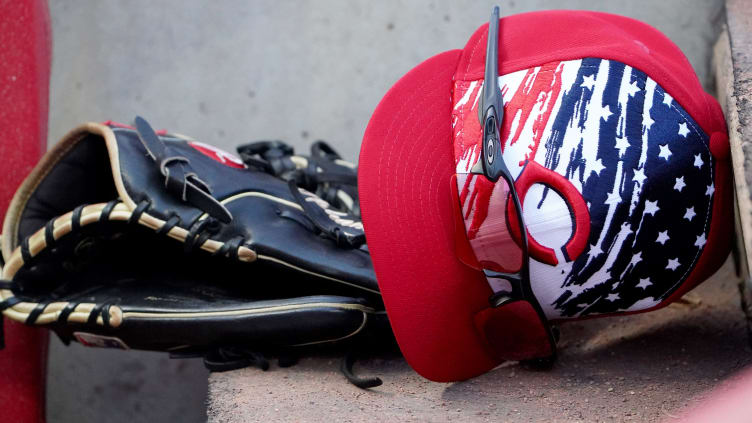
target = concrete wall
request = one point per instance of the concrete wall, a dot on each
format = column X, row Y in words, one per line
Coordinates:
column 234, row 71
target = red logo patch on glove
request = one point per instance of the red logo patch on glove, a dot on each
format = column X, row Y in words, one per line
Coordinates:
column 218, row 154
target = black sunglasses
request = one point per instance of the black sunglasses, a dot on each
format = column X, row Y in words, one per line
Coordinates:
column 491, row 165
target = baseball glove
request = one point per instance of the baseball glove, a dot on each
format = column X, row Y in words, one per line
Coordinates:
column 128, row 238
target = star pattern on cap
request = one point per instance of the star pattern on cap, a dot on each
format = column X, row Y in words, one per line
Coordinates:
column 613, row 197
column 698, row 161
column 588, row 82
column 639, row 176
column 647, row 122
column 598, row 166
column 679, row 184
column 595, row 251
column 690, row 213
column 673, row 263
column 665, row 152
column 605, row 113
column 632, row 89
column 644, row 283
column 700, row 242
column 683, row 129
column 667, row 99
column 622, row 143
column 651, row 207
column 654, row 160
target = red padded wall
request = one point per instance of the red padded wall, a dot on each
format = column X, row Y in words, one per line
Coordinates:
column 25, row 47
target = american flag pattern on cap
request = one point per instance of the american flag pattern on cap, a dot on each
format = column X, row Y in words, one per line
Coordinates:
column 640, row 162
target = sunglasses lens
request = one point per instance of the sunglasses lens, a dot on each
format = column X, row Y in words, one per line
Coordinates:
column 482, row 226
column 515, row 331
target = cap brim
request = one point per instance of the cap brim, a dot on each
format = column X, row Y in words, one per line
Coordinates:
column 406, row 165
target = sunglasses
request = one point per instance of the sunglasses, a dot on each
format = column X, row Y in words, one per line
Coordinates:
column 514, row 325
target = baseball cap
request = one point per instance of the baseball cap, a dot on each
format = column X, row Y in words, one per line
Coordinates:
column 620, row 162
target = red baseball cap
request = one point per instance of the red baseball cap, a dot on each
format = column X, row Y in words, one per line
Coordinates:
column 602, row 104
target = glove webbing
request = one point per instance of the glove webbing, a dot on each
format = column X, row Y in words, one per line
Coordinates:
column 325, row 173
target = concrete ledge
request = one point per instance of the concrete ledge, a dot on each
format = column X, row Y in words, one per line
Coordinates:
column 732, row 59
column 642, row 368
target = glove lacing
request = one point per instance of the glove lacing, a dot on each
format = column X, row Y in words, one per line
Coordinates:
column 198, row 234
column 325, row 174
column 323, row 224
